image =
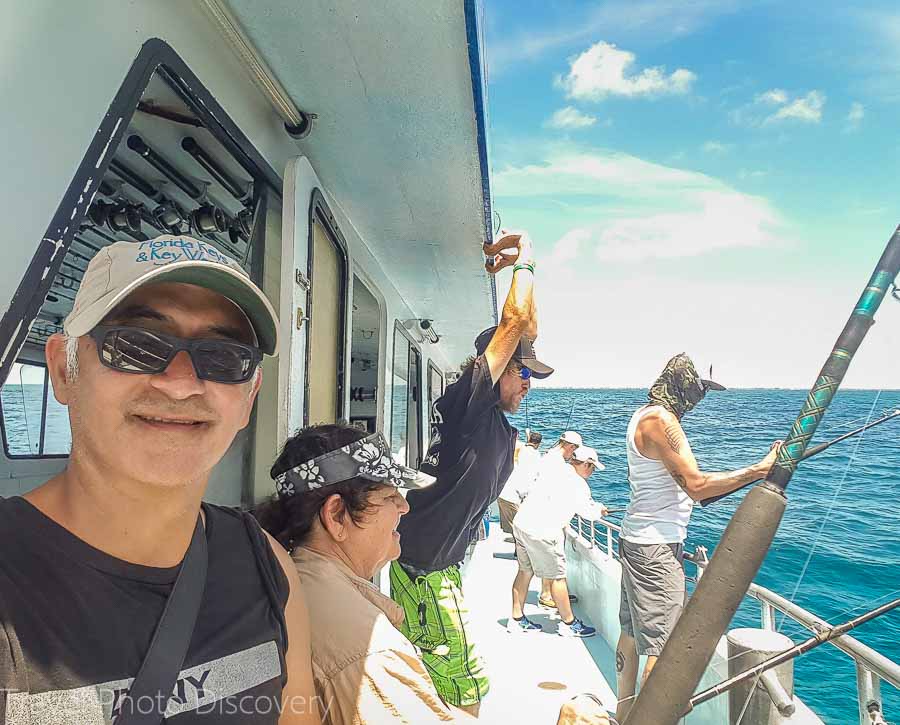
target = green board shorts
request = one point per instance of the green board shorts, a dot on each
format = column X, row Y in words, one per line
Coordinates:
column 436, row 620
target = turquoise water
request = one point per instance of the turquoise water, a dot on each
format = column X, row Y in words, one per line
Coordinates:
column 856, row 562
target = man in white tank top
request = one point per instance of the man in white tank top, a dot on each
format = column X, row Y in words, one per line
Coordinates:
column 665, row 481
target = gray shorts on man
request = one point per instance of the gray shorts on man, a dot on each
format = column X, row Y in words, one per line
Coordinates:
column 653, row 593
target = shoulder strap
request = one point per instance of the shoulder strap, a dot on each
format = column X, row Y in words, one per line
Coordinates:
column 146, row 701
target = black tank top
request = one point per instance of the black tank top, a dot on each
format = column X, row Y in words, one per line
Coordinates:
column 75, row 624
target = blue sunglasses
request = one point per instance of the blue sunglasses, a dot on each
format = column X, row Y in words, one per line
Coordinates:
column 524, row 373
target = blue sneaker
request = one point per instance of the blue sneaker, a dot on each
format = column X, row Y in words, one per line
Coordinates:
column 522, row 625
column 576, row 629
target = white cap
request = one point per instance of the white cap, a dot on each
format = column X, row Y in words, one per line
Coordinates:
column 586, row 454
column 119, row 269
column 570, row 436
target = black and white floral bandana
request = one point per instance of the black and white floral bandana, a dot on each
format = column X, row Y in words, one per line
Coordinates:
column 369, row 459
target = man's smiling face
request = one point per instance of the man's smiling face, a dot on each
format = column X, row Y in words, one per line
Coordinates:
column 165, row 429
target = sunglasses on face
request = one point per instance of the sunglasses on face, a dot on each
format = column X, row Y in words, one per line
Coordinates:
column 523, row 372
column 145, row 352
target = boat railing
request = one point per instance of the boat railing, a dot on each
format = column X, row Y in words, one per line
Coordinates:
column 872, row 667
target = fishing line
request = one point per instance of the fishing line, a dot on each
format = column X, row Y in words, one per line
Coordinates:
column 869, row 604
column 25, row 409
column 571, row 411
column 831, row 505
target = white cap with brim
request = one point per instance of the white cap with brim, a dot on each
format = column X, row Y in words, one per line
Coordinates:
column 119, row 269
column 570, row 436
column 586, row 454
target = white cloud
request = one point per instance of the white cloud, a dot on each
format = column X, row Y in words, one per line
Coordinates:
column 775, row 97
column 716, row 147
column 570, row 117
column 807, row 109
column 567, row 247
column 803, row 109
column 855, row 116
column 605, row 70
column 631, row 210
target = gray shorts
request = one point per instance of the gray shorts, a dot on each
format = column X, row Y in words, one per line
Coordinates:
column 653, row 592
column 545, row 558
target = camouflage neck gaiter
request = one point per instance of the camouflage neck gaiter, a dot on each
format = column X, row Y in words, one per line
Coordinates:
column 678, row 389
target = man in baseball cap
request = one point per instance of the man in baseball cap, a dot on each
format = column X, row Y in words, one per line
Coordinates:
column 664, row 481
column 556, row 496
column 159, row 365
column 471, row 457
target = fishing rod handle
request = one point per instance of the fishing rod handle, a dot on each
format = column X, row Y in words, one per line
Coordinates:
column 832, row 373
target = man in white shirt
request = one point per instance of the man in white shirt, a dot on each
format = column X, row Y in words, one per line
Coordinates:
column 557, row 495
column 519, row 483
column 556, row 458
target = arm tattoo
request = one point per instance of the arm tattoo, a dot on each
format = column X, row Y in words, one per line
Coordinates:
column 673, row 438
column 680, row 480
column 620, row 661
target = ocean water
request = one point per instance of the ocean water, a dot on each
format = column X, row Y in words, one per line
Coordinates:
column 24, row 416
column 844, row 509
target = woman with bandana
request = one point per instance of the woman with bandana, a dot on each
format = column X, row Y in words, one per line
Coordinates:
column 336, row 509
column 665, row 481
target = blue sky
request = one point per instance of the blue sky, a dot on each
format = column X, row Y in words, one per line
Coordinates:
column 715, row 177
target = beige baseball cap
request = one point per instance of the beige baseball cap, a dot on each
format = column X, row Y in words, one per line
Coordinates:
column 119, row 269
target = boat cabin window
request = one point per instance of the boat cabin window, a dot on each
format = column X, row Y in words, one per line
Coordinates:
column 166, row 160
column 328, row 273
column 406, row 425
column 34, row 424
column 364, row 358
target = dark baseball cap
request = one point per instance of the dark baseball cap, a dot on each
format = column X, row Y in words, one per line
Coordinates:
column 524, row 354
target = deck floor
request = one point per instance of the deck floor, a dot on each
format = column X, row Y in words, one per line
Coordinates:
column 531, row 674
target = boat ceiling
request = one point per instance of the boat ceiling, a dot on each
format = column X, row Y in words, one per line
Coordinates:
column 395, row 140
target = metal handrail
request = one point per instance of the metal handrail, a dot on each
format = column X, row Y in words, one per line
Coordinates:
column 871, row 666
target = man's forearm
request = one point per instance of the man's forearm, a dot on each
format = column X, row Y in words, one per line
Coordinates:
column 519, row 309
column 704, row 485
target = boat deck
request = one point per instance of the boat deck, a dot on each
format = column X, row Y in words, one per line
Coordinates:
column 531, row 674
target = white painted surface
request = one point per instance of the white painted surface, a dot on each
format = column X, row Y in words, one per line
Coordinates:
column 394, row 140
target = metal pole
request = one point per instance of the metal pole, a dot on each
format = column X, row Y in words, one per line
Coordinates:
column 768, row 616
column 744, row 545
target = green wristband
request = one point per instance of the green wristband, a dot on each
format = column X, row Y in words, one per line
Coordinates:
column 529, row 267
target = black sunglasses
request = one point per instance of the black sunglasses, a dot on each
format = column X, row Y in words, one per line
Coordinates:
column 144, row 352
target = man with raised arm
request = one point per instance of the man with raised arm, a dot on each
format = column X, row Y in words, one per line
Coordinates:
column 665, row 481
column 471, row 457
column 159, row 365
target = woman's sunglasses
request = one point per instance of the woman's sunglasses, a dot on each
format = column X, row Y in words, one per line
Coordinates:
column 140, row 351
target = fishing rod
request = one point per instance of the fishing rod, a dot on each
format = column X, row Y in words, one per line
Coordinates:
column 820, row 638
column 810, row 452
column 571, row 412
column 749, row 534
